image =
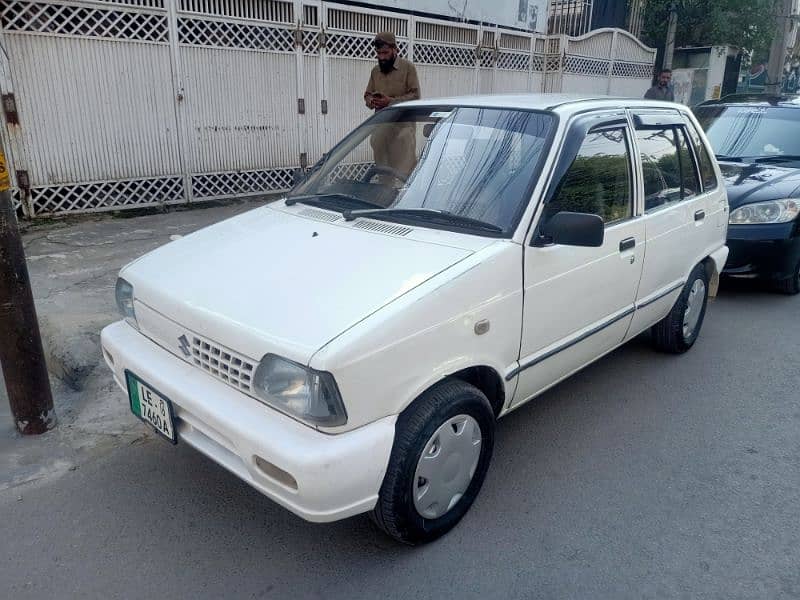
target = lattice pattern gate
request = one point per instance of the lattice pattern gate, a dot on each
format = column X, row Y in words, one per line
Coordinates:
column 130, row 103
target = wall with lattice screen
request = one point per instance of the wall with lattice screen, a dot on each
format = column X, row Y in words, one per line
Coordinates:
column 126, row 103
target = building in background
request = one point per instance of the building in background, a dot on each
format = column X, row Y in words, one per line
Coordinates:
column 569, row 17
column 528, row 15
column 706, row 73
column 635, row 21
column 577, row 17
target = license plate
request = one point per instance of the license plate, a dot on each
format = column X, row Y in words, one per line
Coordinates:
column 151, row 407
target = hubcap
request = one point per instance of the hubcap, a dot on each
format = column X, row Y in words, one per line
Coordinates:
column 446, row 466
column 694, row 306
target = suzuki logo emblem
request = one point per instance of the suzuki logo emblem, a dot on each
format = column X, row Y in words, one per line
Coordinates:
column 183, row 344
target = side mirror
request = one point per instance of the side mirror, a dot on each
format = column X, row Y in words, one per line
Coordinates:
column 574, row 229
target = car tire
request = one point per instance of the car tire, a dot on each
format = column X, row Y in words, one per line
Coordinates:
column 438, row 412
column 677, row 332
column 791, row 285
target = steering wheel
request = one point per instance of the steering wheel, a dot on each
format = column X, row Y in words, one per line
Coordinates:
column 383, row 169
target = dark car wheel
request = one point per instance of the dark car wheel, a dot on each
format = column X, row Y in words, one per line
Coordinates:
column 790, row 285
column 677, row 332
column 442, row 448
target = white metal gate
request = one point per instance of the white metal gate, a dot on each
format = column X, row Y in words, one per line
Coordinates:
column 607, row 61
column 125, row 103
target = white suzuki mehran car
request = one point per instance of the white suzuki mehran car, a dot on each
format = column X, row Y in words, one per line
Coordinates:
column 348, row 348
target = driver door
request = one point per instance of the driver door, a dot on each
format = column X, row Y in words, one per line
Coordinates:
column 579, row 301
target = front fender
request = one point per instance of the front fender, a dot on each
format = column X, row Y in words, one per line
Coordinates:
column 386, row 361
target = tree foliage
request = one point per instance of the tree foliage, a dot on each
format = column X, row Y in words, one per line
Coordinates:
column 747, row 24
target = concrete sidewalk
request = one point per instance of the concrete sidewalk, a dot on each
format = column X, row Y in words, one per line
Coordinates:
column 73, row 266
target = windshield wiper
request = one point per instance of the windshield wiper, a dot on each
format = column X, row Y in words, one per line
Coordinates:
column 424, row 214
column 777, row 158
column 336, row 201
column 728, row 158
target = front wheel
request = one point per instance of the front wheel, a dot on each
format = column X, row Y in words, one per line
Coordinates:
column 791, row 285
column 677, row 332
column 442, row 449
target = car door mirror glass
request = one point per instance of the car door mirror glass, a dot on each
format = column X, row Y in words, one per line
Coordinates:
column 574, row 229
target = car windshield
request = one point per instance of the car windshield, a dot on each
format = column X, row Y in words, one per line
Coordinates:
column 752, row 132
column 447, row 167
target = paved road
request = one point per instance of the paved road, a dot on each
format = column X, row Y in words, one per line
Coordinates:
column 644, row 476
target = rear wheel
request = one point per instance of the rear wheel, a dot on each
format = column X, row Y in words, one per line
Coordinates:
column 790, row 285
column 442, row 449
column 677, row 332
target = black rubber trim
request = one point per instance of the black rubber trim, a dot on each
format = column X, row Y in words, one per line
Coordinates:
column 661, row 295
column 569, row 344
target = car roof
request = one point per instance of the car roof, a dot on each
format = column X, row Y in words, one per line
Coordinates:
column 562, row 103
column 782, row 100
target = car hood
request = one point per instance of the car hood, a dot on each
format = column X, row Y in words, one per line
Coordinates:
column 270, row 281
column 748, row 183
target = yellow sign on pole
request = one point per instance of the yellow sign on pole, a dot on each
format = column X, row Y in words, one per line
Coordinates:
column 5, row 181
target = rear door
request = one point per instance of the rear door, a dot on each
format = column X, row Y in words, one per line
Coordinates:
column 716, row 201
column 676, row 212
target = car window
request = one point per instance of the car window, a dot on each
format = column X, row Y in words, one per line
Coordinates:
column 660, row 166
column 707, row 174
column 751, row 131
column 599, row 179
column 477, row 163
column 689, row 175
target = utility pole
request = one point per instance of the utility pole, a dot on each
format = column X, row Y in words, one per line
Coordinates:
column 669, row 48
column 780, row 44
column 21, row 353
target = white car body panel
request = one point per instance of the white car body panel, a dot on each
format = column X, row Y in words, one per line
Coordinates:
column 433, row 325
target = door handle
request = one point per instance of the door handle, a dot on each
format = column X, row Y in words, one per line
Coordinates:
column 627, row 244
column 699, row 215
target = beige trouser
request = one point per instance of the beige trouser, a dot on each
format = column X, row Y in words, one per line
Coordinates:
column 395, row 146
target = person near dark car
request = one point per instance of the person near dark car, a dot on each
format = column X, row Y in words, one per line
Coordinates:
column 662, row 90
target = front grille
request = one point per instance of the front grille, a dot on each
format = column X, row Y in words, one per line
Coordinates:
column 223, row 363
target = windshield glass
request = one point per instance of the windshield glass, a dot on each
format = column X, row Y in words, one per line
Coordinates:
column 477, row 163
column 751, row 131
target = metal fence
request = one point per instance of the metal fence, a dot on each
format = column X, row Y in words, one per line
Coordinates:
column 112, row 104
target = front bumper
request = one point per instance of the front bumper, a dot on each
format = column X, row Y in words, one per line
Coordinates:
column 336, row 476
column 770, row 251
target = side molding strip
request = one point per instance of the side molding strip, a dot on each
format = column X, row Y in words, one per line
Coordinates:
column 661, row 295
column 535, row 361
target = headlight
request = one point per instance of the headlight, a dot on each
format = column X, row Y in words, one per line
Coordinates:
column 774, row 211
column 124, row 295
column 305, row 393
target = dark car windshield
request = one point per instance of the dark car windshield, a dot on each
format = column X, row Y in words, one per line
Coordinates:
column 477, row 163
column 751, row 132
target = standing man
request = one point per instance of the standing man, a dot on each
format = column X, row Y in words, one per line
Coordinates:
column 392, row 80
column 662, row 90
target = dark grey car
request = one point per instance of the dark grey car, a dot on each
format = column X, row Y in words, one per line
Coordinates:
column 757, row 143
